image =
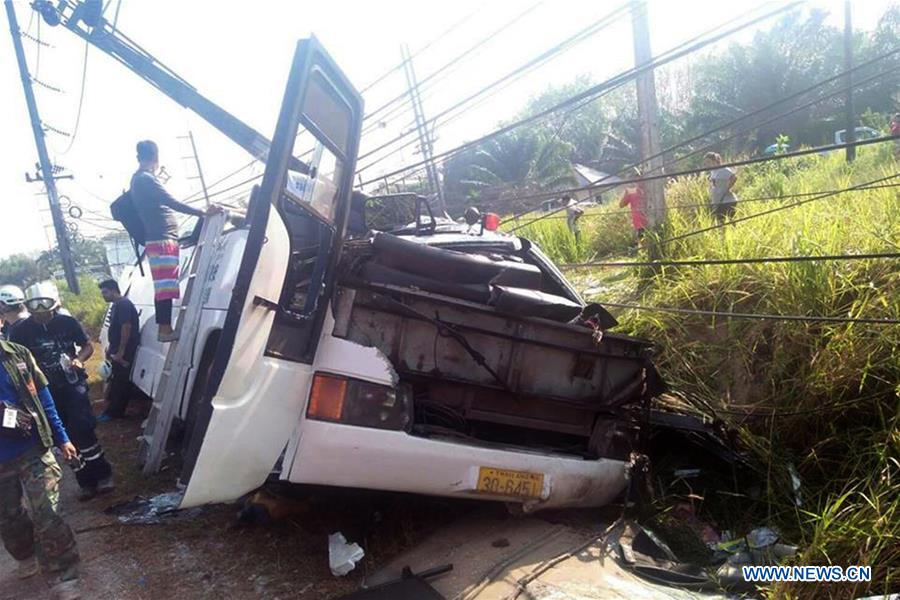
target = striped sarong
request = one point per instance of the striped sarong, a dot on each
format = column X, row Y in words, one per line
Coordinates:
column 163, row 258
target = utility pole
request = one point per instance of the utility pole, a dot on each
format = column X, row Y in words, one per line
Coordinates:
column 850, row 134
column 46, row 168
column 196, row 157
column 425, row 140
column 648, row 114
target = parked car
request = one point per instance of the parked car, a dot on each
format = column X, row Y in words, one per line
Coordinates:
column 862, row 133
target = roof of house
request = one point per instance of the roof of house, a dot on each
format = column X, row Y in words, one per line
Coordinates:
column 587, row 175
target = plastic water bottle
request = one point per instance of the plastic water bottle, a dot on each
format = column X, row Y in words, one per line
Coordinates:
column 66, row 363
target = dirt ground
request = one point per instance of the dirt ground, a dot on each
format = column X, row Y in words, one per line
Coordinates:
column 209, row 553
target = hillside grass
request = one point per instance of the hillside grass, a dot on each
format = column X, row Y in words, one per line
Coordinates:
column 833, row 388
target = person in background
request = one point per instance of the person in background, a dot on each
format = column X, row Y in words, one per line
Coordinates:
column 573, row 215
column 634, row 198
column 53, row 338
column 12, row 308
column 124, row 335
column 895, row 131
column 722, row 200
column 157, row 208
column 31, row 426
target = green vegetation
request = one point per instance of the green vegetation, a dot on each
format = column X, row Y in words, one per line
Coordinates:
column 796, row 52
column 89, row 307
column 833, row 387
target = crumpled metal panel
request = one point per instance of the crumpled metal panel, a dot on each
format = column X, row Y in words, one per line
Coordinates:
column 531, row 356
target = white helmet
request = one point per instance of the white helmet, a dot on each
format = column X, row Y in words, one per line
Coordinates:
column 43, row 295
column 11, row 295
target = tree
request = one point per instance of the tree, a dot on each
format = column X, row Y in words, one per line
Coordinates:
column 22, row 270
column 89, row 255
column 520, row 161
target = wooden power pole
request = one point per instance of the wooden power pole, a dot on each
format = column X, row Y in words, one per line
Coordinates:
column 850, row 133
column 648, row 115
column 46, row 174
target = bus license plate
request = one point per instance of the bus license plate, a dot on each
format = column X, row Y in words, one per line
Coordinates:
column 510, row 483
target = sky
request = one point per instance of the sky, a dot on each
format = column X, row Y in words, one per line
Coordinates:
column 238, row 54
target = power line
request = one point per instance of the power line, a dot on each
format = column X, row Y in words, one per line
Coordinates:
column 87, row 48
column 735, row 261
column 588, row 100
column 753, row 316
column 591, row 92
column 695, row 171
column 777, row 209
column 627, row 211
column 432, row 78
column 753, row 125
column 436, row 39
column 567, row 43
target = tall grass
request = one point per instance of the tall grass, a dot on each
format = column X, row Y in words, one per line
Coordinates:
column 605, row 230
column 836, row 385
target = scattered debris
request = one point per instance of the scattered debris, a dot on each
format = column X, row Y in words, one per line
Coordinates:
column 759, row 547
column 795, row 484
column 342, row 556
column 410, row 586
column 144, row 511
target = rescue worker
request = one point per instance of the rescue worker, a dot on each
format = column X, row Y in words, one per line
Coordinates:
column 157, row 208
column 12, row 308
column 31, row 426
column 124, row 335
column 52, row 339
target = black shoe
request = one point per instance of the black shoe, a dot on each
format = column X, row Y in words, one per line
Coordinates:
column 105, row 486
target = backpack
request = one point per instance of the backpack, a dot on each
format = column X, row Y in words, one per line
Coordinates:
column 125, row 212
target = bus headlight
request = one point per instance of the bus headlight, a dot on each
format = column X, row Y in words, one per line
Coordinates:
column 356, row 402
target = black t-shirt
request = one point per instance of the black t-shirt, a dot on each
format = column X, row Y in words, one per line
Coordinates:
column 48, row 342
column 123, row 311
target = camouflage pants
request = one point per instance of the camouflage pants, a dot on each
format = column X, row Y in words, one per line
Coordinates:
column 37, row 474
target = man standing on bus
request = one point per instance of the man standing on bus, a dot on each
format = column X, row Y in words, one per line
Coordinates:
column 157, row 208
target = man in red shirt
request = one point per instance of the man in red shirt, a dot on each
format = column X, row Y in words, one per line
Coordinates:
column 634, row 197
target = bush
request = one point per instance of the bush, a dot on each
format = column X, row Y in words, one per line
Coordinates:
column 89, row 307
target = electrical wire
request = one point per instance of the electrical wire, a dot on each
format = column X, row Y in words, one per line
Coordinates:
column 616, row 81
column 87, row 48
column 734, row 261
column 434, row 40
column 749, row 127
column 432, row 77
column 627, row 211
column 695, row 171
column 492, row 88
column 776, row 209
column 752, row 316
column 552, row 52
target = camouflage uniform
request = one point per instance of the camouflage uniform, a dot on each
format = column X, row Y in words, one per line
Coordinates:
column 36, row 473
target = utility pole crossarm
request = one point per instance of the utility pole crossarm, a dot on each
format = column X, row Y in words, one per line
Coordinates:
column 97, row 31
